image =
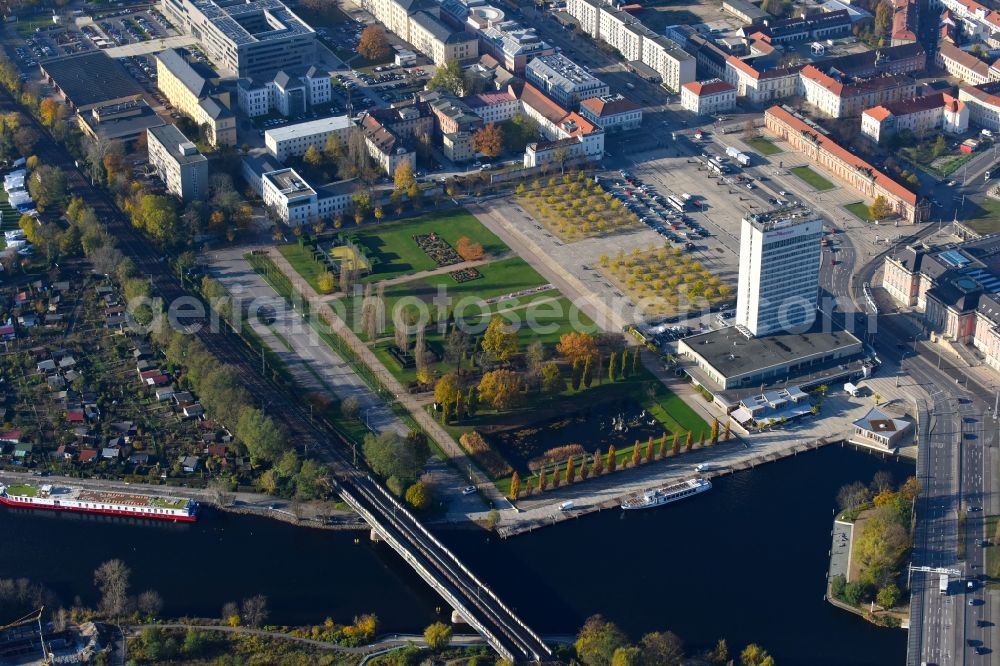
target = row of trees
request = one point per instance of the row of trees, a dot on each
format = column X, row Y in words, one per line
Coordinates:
column 603, row 643
column 580, row 467
column 575, row 206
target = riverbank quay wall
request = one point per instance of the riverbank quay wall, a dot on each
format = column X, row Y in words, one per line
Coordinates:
column 550, row 514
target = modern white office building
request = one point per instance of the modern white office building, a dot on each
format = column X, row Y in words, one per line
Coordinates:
column 294, row 140
column 288, row 94
column 778, row 286
column 177, row 162
column 563, row 80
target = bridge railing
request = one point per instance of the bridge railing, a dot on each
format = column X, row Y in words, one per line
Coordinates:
column 465, row 569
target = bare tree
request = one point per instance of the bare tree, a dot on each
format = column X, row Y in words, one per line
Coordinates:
column 229, row 610
column 111, row 578
column 254, row 610
column 149, row 603
column 401, row 330
column 882, row 481
column 456, row 346
column 852, row 495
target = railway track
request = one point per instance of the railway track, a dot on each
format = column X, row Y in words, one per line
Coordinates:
column 501, row 627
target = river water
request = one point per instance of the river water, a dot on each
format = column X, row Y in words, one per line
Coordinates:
column 745, row 561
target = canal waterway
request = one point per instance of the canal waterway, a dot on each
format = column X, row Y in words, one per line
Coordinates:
column 745, row 561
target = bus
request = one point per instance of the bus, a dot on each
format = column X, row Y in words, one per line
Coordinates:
column 676, row 203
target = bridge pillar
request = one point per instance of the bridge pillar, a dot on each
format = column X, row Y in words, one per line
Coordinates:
column 456, row 618
column 374, row 536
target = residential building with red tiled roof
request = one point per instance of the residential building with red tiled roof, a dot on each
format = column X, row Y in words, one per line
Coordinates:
column 841, row 164
column 920, row 115
column 905, row 15
column 708, row 97
column 612, row 113
column 760, row 86
column 837, row 96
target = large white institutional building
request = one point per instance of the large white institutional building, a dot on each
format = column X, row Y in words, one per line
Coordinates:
column 778, row 285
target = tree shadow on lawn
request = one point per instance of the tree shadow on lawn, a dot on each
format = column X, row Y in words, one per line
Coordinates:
column 388, row 262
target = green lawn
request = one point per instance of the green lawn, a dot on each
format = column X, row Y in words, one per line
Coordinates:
column 983, row 217
column 22, row 490
column 763, row 146
column 993, row 550
column 168, row 503
column 396, row 252
column 301, row 259
column 860, row 210
column 818, row 182
column 465, row 298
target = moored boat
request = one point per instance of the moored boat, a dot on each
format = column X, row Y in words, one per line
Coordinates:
column 67, row 498
column 679, row 491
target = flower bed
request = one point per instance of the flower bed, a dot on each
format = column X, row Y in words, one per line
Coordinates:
column 465, row 275
column 437, row 249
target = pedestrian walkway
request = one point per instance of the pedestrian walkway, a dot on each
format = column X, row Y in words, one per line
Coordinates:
column 840, row 550
column 413, row 405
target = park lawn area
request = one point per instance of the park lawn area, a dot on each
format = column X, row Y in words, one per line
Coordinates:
column 986, row 218
column 301, row 259
column 860, row 210
column 544, row 317
column 397, row 254
column 763, row 146
column 818, row 182
column 498, row 278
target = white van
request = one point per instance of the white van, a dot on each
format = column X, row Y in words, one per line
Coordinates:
column 567, row 506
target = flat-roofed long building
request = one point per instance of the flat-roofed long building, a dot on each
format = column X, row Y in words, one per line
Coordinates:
column 563, row 80
column 246, row 37
column 294, row 140
column 178, row 163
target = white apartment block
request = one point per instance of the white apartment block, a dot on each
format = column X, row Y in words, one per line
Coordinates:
column 762, row 87
column 674, row 65
column 563, row 80
column 778, row 287
column 983, row 103
column 294, row 140
column 417, row 22
column 634, row 41
column 494, row 107
column 177, row 162
column 709, row 97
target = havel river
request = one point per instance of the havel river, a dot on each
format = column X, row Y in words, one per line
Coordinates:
column 746, row 561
